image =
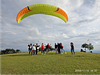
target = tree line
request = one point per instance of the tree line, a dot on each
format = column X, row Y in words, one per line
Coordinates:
column 10, row 51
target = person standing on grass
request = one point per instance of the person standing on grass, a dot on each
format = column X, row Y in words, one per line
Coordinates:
column 56, row 48
column 42, row 49
column 37, row 48
column 72, row 48
column 34, row 49
column 30, row 49
column 62, row 48
column 47, row 48
column 59, row 48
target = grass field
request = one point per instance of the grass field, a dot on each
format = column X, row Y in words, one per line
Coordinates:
column 22, row 63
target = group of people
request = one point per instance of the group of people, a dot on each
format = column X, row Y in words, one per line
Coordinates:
column 43, row 47
column 33, row 49
column 59, row 48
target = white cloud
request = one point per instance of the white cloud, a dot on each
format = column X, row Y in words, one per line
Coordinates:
column 65, row 36
column 50, row 37
column 34, row 32
column 83, row 24
column 2, row 48
column 8, row 33
column 31, row 38
column 47, row 26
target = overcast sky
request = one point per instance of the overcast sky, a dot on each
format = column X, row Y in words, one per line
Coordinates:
column 83, row 24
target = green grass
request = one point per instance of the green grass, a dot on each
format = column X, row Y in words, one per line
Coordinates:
column 22, row 63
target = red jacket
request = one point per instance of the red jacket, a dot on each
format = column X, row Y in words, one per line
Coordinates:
column 48, row 46
column 42, row 46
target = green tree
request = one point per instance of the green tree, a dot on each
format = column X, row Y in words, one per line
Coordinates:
column 9, row 51
column 90, row 46
column 84, row 46
column 17, row 50
column 87, row 46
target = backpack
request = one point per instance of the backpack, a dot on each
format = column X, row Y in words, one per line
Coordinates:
column 62, row 47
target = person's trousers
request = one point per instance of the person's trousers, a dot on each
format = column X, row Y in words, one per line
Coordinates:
column 42, row 51
column 47, row 50
column 59, row 50
column 62, row 50
column 30, row 51
column 34, row 52
column 72, row 51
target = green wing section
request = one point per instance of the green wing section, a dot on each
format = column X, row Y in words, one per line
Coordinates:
column 42, row 9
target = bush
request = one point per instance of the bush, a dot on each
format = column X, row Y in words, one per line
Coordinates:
column 8, row 51
column 17, row 50
column 1, row 52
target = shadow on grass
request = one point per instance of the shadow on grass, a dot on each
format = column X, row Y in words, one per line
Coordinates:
column 39, row 54
column 17, row 55
column 49, row 53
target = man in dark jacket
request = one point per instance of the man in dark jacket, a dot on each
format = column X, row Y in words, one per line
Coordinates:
column 37, row 48
column 58, row 48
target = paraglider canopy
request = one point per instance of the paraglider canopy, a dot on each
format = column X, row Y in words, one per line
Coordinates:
column 42, row 9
